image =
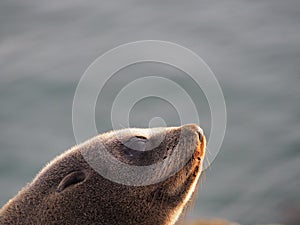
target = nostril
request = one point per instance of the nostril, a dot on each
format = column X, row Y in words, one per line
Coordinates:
column 200, row 135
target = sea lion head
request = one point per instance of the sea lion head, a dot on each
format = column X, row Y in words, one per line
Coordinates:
column 73, row 190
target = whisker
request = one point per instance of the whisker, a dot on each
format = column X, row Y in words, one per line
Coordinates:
column 206, row 161
column 152, row 201
column 203, row 177
column 162, row 201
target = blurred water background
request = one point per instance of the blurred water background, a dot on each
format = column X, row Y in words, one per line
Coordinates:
column 253, row 47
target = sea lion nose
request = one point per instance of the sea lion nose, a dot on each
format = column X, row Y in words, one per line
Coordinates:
column 200, row 134
column 194, row 128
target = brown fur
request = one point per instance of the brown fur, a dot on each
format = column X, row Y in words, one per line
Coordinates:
column 69, row 191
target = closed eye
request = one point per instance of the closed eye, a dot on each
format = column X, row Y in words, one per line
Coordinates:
column 136, row 143
column 141, row 137
column 134, row 147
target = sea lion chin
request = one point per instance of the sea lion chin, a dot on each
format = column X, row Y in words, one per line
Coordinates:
column 71, row 190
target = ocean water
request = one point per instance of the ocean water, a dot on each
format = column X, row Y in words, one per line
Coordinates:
column 253, row 48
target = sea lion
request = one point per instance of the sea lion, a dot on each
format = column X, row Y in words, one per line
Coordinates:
column 70, row 191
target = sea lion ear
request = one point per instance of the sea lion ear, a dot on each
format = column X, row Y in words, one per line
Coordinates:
column 71, row 179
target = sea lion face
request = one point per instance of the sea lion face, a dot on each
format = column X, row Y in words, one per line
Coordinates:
column 70, row 190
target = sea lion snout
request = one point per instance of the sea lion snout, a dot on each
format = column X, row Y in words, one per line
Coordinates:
column 197, row 136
